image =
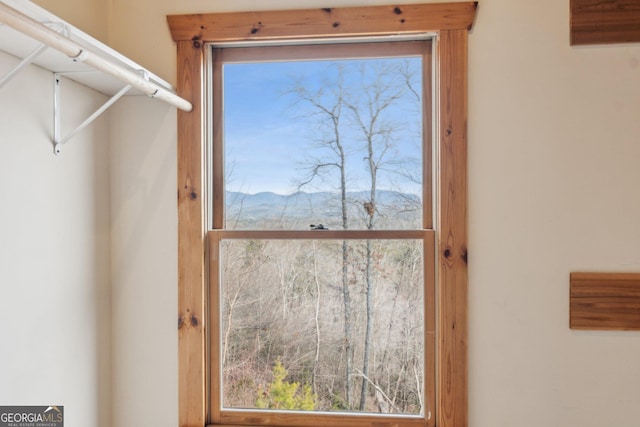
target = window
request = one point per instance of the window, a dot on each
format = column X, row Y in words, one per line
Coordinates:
column 234, row 235
column 322, row 291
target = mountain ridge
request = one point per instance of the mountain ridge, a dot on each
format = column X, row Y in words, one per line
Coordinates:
column 247, row 210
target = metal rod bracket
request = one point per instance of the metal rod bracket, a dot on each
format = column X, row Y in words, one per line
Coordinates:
column 57, row 140
column 62, row 29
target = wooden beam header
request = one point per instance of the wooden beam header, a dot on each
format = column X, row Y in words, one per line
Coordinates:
column 321, row 23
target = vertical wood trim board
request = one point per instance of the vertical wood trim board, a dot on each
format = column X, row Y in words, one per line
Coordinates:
column 452, row 230
column 191, row 238
column 605, row 301
column 605, row 21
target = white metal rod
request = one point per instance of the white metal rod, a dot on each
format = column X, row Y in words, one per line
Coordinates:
column 43, row 34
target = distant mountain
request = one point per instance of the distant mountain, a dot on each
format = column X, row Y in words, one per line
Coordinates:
column 300, row 208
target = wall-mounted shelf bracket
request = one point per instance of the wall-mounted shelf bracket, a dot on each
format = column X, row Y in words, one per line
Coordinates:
column 26, row 30
column 59, row 28
column 83, row 59
column 59, row 141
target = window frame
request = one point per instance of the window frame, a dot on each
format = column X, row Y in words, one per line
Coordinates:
column 192, row 33
column 306, row 50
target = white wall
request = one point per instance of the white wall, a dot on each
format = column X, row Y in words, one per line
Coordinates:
column 55, row 308
column 90, row 16
column 144, row 268
column 553, row 188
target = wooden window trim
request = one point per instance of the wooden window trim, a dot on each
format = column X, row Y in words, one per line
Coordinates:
column 451, row 23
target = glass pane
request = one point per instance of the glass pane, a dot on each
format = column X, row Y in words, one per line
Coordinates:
column 323, row 325
column 337, row 143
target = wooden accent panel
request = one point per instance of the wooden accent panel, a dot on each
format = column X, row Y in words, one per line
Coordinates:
column 452, row 231
column 191, row 235
column 328, row 22
column 605, row 301
column 605, row 21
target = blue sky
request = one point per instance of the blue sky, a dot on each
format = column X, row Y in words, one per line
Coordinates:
column 269, row 136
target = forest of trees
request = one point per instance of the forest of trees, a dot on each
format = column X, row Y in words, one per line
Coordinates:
column 334, row 325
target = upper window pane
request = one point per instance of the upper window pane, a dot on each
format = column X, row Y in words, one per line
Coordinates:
column 331, row 142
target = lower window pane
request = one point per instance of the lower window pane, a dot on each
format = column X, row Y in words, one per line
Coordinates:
column 323, row 325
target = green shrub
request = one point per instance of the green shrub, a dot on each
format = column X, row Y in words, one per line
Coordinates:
column 281, row 394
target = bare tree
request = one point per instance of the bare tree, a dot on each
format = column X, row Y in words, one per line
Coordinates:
column 327, row 108
column 367, row 110
column 341, row 316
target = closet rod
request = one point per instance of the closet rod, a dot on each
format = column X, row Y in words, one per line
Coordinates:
column 44, row 34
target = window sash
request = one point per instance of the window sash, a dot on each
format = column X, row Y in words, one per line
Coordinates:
column 361, row 49
column 304, row 419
